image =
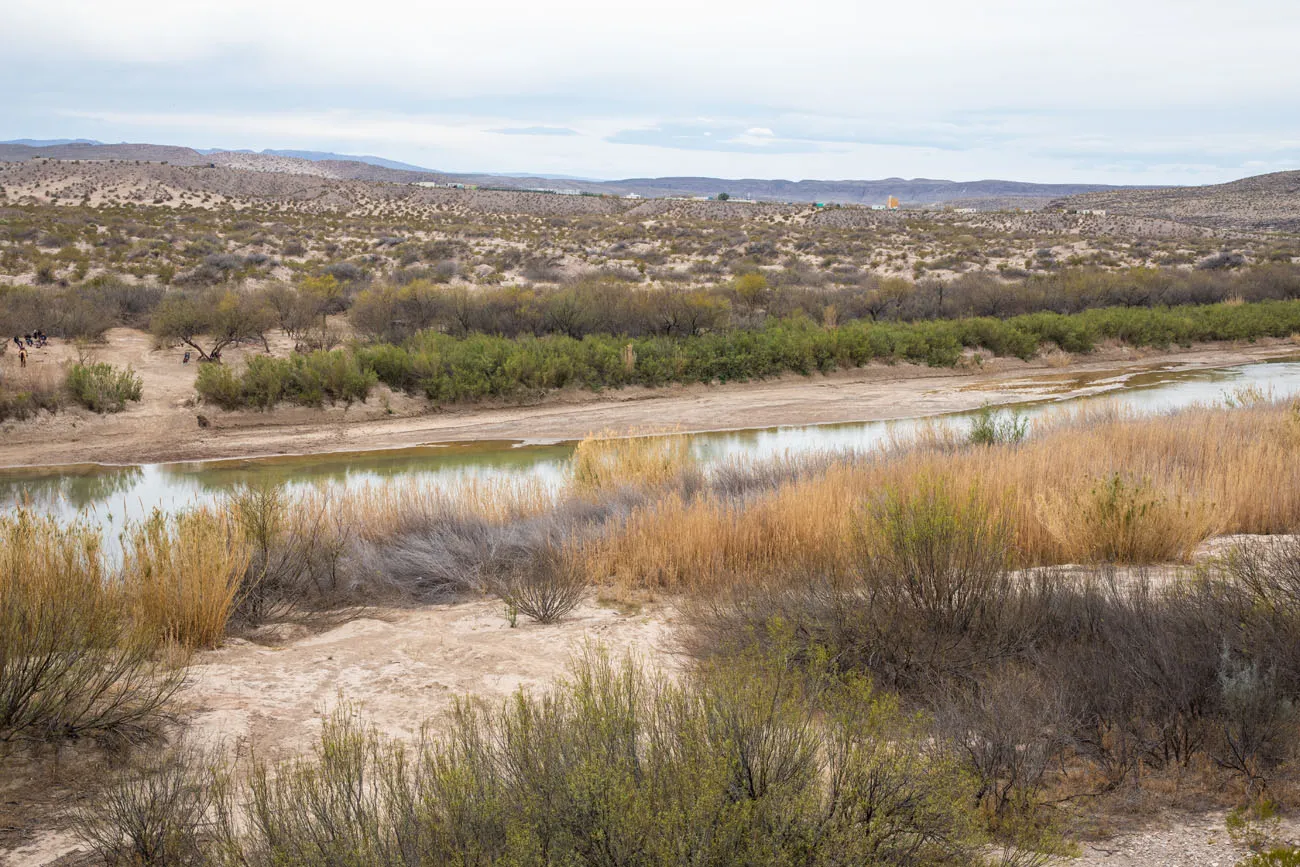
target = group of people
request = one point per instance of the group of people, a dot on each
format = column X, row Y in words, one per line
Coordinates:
column 36, row 339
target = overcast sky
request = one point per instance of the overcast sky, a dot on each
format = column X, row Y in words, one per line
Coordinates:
column 1106, row 91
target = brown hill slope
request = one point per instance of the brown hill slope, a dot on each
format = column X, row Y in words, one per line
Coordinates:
column 1261, row 203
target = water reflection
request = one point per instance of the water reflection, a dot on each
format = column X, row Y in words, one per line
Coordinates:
column 113, row 495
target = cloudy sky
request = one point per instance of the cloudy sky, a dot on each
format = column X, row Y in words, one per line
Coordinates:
column 1107, row 91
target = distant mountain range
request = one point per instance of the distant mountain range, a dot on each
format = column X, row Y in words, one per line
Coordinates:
column 915, row 191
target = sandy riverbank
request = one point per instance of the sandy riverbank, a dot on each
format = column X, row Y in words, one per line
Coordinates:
column 165, row 425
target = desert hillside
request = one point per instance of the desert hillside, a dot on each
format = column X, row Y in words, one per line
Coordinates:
column 1265, row 202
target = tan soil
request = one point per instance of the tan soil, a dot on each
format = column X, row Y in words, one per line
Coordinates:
column 400, row 667
column 164, row 426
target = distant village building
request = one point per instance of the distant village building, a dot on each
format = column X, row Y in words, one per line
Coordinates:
column 877, row 207
column 965, row 210
column 892, row 203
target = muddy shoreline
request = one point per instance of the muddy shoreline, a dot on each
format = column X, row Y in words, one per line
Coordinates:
column 166, row 426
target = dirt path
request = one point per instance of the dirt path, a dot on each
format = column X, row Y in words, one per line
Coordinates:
column 165, row 427
column 402, row 667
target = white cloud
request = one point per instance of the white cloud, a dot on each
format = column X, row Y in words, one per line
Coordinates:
column 1017, row 82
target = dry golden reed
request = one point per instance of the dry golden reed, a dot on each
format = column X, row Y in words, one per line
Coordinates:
column 1090, row 486
column 183, row 575
column 608, row 461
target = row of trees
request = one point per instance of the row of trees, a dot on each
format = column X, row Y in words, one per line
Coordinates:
column 393, row 313
column 208, row 319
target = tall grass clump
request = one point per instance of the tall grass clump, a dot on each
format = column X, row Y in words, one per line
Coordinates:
column 1122, row 520
column 608, row 461
column 72, row 664
column 101, row 387
column 183, row 576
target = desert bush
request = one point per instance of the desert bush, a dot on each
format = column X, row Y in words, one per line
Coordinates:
column 992, row 427
column 546, row 586
column 220, row 385
column 157, row 812
column 101, row 387
column 940, row 551
column 1257, row 719
column 309, row 380
column 213, row 317
column 748, row 764
column 71, row 663
column 1279, row 856
column 462, row 365
column 183, row 576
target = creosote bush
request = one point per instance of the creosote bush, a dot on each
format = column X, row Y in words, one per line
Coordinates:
column 101, row 387
column 747, row 763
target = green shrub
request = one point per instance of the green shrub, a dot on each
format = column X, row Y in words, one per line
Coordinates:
column 101, row 387
column 991, row 427
column 217, row 384
column 740, row 764
column 1282, row 856
column 475, row 367
column 312, row 379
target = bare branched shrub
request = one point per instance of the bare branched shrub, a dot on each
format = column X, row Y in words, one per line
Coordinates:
column 155, row 814
column 546, row 586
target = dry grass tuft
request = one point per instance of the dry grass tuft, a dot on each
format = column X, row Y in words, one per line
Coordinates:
column 183, row 576
column 608, row 461
column 71, row 665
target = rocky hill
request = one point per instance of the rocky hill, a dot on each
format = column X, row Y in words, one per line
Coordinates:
column 1261, row 203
